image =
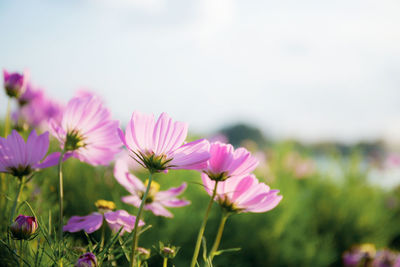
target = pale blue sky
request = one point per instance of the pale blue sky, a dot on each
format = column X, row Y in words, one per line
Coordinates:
column 311, row 69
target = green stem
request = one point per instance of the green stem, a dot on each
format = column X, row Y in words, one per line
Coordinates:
column 20, row 253
column 61, row 191
column 3, row 175
column 165, row 262
column 135, row 230
column 103, row 232
column 219, row 235
column 14, row 207
column 8, row 115
column 203, row 227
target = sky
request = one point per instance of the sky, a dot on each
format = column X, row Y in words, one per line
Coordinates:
column 313, row 70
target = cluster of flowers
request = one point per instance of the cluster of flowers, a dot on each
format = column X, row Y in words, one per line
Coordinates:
column 86, row 131
column 366, row 255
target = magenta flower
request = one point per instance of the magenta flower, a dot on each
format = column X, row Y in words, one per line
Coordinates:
column 225, row 162
column 93, row 222
column 87, row 131
column 14, row 83
column 159, row 146
column 20, row 158
column 24, row 227
column 156, row 200
column 397, row 262
column 86, row 260
column 243, row 194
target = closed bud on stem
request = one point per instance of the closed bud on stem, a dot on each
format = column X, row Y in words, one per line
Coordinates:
column 14, row 83
column 24, row 227
column 86, row 260
column 144, row 254
column 168, row 251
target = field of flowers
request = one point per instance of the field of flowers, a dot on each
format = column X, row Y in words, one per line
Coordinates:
column 81, row 189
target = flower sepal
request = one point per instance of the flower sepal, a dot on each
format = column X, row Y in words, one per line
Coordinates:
column 153, row 162
column 220, row 177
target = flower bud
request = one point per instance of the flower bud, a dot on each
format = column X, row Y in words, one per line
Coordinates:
column 14, row 83
column 143, row 253
column 86, row 260
column 23, row 227
column 168, row 251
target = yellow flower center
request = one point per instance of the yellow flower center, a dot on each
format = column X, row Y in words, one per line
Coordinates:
column 102, row 204
column 154, row 187
column 368, row 248
column 74, row 140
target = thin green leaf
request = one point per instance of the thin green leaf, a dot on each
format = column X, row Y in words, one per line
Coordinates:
column 204, row 243
column 219, row 252
column 124, row 249
column 109, row 244
column 89, row 241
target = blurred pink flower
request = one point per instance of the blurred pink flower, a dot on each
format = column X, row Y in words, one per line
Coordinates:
column 15, row 83
column 159, row 146
column 385, row 258
column 20, row 158
column 88, row 131
column 29, row 94
column 393, row 160
column 225, row 162
column 84, row 92
column 301, row 167
column 243, row 194
column 93, row 222
column 38, row 111
column 397, row 262
column 156, row 200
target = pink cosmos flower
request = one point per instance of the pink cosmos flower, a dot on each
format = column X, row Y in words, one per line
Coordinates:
column 159, row 145
column 243, row 194
column 93, row 222
column 225, row 162
column 87, row 131
column 156, row 200
column 20, row 158
column 15, row 83
column 37, row 112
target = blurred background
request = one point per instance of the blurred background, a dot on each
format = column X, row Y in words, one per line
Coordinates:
column 310, row 87
column 313, row 70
